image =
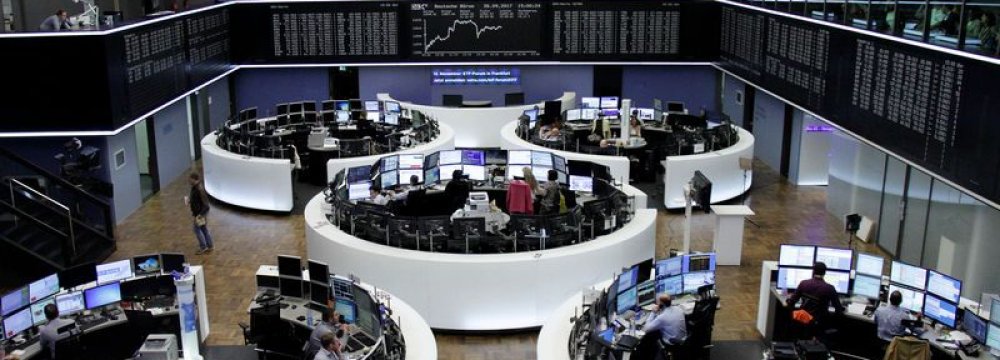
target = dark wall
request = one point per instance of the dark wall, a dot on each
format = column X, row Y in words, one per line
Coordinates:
column 41, row 151
column 265, row 88
column 697, row 86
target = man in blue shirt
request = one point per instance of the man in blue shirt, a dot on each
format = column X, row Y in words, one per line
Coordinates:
column 669, row 321
column 890, row 318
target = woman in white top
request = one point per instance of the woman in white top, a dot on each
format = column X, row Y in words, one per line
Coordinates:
column 634, row 126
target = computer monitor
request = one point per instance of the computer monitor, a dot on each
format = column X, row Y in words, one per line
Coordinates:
column 371, row 106
column 290, row 287
column 940, row 310
column 913, row 300
column 975, row 326
column 475, row 172
column 392, row 107
column 496, row 157
column 447, row 170
column 328, row 105
column 282, row 109
column 451, row 100
column 319, row 294
column 993, row 336
column 358, row 174
column 17, row 323
column 346, row 308
column 657, row 104
column 172, row 262
column 146, row 264
column 627, row 300
column 695, row 280
column 342, row 105
column 909, row 275
column 789, row 278
column 541, row 173
column 70, row 303
column 114, row 271
column 389, row 163
column 404, row 176
column 102, row 295
column 248, row 114
column 581, row 183
column 389, row 179
column 867, row 286
column 573, row 115
column 628, row 278
column 308, row 106
column 590, row 102
column 78, row 275
column 373, row 116
column 319, row 272
column 869, row 264
column 473, row 157
column 840, row 280
column 518, row 157
column 646, row 292
column 295, row 107
column 588, row 114
column 290, row 266
column 675, row 107
column 673, row 285
column 541, row 158
column 342, row 116
column 513, row 99
column 43, row 288
column 450, row 157
column 532, row 114
column 38, row 311
column 411, row 161
column 431, row 176
column 797, row 255
column 834, row 258
column 698, row 262
column 610, row 113
column 646, row 114
column 669, row 267
column 14, row 300
column 944, row 286
column 356, row 104
column 609, row 102
column 391, row 118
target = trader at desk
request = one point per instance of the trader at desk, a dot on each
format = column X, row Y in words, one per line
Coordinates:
column 890, row 318
column 49, row 333
column 817, row 296
column 56, row 22
column 331, row 347
column 669, row 321
column 331, row 323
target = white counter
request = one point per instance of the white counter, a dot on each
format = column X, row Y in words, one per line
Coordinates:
column 619, row 164
column 479, row 127
column 481, row 292
column 246, row 181
column 553, row 340
column 420, row 342
column 444, row 141
column 721, row 167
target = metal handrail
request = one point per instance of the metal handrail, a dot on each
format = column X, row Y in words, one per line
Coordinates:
column 69, row 214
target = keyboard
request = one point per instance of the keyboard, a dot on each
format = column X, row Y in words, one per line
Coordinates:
column 87, row 323
column 164, row 302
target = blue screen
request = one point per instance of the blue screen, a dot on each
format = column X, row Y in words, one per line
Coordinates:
column 993, row 336
column 867, row 286
column 668, row 267
column 673, row 285
column 389, row 163
column 389, row 179
column 695, row 280
column 975, row 326
column 431, row 176
column 358, row 174
column 627, row 300
column 944, row 286
column 17, row 323
column 940, row 310
column 342, row 105
column 628, row 279
column 346, row 307
column 102, row 295
column 14, row 300
column 473, row 157
column 699, row 262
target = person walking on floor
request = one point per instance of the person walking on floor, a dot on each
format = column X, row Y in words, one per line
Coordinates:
column 197, row 200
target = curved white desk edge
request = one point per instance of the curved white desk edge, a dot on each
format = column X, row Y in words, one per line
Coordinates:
column 481, row 291
column 553, row 339
column 246, row 181
column 420, row 342
column 478, row 127
column 721, row 167
column 444, row 141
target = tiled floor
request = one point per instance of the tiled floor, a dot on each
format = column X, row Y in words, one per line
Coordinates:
column 245, row 239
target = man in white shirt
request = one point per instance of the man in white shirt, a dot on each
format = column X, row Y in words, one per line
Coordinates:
column 669, row 321
column 50, row 331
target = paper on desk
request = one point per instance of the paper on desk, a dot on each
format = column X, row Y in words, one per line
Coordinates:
column 856, row 308
column 959, row 336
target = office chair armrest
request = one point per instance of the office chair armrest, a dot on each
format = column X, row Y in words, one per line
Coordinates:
column 243, row 326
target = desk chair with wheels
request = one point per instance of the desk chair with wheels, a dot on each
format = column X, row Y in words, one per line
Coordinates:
column 465, row 232
column 271, row 336
column 436, row 229
column 528, row 232
column 403, row 232
column 700, row 325
column 70, row 348
column 561, row 230
column 377, row 228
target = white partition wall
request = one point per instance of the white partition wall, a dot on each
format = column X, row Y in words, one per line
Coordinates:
column 444, row 141
column 250, row 182
column 480, row 127
column 721, row 167
column 619, row 164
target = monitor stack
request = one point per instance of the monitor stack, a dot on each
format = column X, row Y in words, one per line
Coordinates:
column 685, row 274
column 795, row 263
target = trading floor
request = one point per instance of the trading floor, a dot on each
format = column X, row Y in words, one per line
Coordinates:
column 785, row 214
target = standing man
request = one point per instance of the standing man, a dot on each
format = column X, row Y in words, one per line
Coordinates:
column 197, row 200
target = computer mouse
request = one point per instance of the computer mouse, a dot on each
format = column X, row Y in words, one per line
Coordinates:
column 301, row 318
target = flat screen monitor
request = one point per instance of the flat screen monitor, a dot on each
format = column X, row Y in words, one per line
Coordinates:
column 940, row 310
column 356, row 104
column 283, row 108
column 431, row 176
column 319, row 272
column 392, row 106
column 581, row 183
column 995, row 310
column 389, row 163
column 519, row 157
column 975, row 326
column 908, row 275
column 944, row 286
column 609, row 102
column 573, row 115
column 346, row 308
column 373, row 116
column 411, row 161
column 290, row 287
column 645, row 114
column 450, row 157
column 43, row 288
column 840, row 280
column 70, row 303
column 319, row 294
column 541, row 173
column 448, row 170
column 172, row 262
column 146, row 264
column 867, row 286
column 358, row 174
column 669, row 267
column 342, row 116
column 646, row 292
column 789, row 278
column 869, row 264
column 77, row 275
column 657, row 104
column 698, row 262
column 431, row 160
column 588, row 114
column 404, row 176
column 993, row 336
column 673, row 285
column 309, row 106
column 913, row 300
column 114, row 271
column 590, row 102
column 559, row 163
column 389, row 179
column 473, row 157
column 541, row 158
column 695, row 280
column 371, row 106
column 475, row 172
column 391, row 118
column 290, row 266
column 17, row 323
column 834, row 258
column 797, row 255
column 38, row 311
column 496, row 157
column 326, row 105
column 102, row 295
column 14, row 300
column 627, row 300
column 628, row 278
column 610, row 113
column 295, row 107
column 532, row 114
column 451, row 100
column 675, row 107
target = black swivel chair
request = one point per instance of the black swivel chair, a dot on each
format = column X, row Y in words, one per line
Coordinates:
column 561, row 230
column 270, row 335
column 70, row 348
column 699, row 328
column 465, row 231
column 403, row 232
column 436, row 229
column 528, row 232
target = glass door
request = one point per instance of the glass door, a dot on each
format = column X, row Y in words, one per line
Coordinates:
column 893, row 205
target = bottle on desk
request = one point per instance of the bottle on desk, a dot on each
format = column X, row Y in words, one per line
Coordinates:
column 309, row 317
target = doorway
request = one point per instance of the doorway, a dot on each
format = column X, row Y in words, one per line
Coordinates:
column 145, row 146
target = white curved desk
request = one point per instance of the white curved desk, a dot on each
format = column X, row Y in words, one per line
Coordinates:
column 420, row 342
column 721, row 167
column 479, row 127
column 444, row 141
column 553, row 340
column 480, row 291
column 619, row 164
column 246, row 181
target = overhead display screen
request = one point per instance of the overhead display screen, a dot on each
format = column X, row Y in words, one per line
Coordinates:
column 444, row 30
column 207, row 45
column 154, row 64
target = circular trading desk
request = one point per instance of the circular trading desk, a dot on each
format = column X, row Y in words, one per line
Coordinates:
column 444, row 140
column 722, row 167
column 553, row 339
column 480, row 291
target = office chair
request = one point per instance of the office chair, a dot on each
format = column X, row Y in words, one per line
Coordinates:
column 403, row 232
column 466, row 230
column 70, row 348
column 436, row 229
column 560, row 229
column 377, row 227
column 528, row 231
column 269, row 334
column 700, row 324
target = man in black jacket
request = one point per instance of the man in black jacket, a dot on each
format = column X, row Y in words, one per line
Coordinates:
column 197, row 201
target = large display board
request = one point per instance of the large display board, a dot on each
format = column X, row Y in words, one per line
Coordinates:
column 930, row 107
column 447, row 30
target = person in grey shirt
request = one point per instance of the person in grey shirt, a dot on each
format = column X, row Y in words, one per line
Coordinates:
column 330, row 324
column 890, row 318
column 49, row 333
column 57, row 22
column 331, row 348
column 669, row 321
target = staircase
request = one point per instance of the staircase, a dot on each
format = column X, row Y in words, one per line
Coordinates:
column 48, row 224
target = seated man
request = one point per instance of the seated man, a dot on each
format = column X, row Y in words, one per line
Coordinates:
column 890, row 318
column 377, row 197
column 669, row 321
column 50, row 331
column 818, row 295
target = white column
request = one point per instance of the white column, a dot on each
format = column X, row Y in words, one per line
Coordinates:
column 189, row 317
